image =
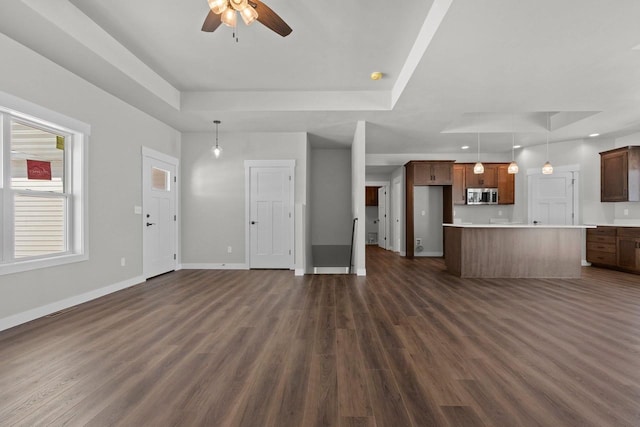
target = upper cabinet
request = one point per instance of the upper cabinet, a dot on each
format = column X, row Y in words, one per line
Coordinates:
column 495, row 175
column 488, row 179
column 371, row 196
column 459, row 194
column 506, row 186
column 432, row 172
column 620, row 175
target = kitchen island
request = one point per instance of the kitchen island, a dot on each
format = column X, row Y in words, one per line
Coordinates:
column 505, row 250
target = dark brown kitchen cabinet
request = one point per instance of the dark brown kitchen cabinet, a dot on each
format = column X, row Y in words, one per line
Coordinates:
column 431, row 172
column 371, row 196
column 459, row 193
column 495, row 175
column 506, row 186
column 628, row 248
column 614, row 247
column 601, row 246
column 620, row 175
column 425, row 173
column 488, row 179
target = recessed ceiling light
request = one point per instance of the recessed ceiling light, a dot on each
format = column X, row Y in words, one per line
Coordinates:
column 517, row 146
column 593, row 135
column 465, row 147
column 376, row 75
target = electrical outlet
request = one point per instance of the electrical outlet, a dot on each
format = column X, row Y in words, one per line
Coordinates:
column 229, row 249
column 418, row 241
column 123, row 261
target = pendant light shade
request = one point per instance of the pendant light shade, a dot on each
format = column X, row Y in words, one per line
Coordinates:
column 513, row 166
column 216, row 150
column 478, row 168
column 547, row 169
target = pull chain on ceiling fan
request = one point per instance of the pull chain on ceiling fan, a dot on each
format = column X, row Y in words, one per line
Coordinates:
column 224, row 11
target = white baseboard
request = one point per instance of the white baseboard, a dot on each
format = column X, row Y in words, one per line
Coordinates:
column 432, row 254
column 362, row 272
column 403, row 253
column 299, row 272
column 585, row 263
column 215, row 266
column 45, row 310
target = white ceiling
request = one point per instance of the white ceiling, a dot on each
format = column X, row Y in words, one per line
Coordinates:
column 452, row 68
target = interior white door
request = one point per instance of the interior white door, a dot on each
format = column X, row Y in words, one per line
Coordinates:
column 397, row 225
column 271, row 217
column 552, row 198
column 382, row 217
column 159, row 216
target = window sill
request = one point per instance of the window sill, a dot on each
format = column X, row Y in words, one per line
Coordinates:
column 34, row 264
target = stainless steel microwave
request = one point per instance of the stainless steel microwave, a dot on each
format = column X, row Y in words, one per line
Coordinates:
column 482, row 196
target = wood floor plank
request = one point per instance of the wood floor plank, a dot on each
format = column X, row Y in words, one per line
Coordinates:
column 407, row 345
column 353, row 395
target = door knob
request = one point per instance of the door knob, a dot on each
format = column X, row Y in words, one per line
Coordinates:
column 151, row 223
column 254, row 222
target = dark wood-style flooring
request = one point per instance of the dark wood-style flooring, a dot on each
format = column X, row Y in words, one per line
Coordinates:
column 409, row 345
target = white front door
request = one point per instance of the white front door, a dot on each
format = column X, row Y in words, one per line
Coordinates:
column 551, row 199
column 382, row 217
column 271, row 217
column 159, row 213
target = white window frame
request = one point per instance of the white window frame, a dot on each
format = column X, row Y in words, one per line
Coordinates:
column 76, row 154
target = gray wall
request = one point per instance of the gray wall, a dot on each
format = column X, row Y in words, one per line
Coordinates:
column 330, row 197
column 427, row 214
column 213, row 191
column 118, row 131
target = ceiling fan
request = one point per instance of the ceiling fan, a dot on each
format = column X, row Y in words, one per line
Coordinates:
column 224, row 11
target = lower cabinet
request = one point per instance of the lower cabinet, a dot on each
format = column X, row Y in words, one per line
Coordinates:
column 629, row 248
column 614, row 247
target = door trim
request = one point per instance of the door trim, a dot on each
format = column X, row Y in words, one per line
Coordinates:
column 248, row 165
column 151, row 153
column 386, row 185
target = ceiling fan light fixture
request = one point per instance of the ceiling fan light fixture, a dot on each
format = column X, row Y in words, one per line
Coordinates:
column 239, row 5
column 249, row 14
column 229, row 18
column 218, row 6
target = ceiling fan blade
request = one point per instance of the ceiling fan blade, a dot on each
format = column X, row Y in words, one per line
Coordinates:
column 270, row 19
column 211, row 22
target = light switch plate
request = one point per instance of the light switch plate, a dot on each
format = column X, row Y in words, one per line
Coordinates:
column 137, row 210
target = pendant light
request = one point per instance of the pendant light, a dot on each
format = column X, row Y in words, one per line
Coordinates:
column 217, row 150
column 478, row 168
column 513, row 166
column 547, row 169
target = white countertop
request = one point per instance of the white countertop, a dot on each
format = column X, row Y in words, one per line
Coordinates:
column 516, row 226
column 618, row 225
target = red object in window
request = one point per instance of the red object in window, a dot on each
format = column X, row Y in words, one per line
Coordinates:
column 37, row 169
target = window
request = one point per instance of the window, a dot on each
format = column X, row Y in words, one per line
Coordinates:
column 43, row 215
